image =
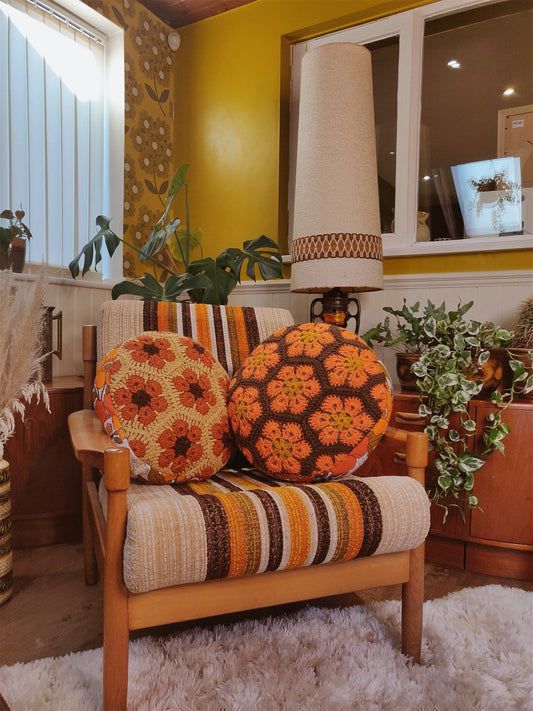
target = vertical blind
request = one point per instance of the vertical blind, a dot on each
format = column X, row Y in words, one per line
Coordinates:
column 51, row 128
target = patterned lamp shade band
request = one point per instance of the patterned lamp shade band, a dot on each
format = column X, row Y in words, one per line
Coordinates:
column 336, row 227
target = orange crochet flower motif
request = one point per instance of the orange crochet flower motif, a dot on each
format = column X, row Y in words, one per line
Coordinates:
column 244, row 409
column 222, row 437
column 261, row 361
column 340, row 421
column 180, row 445
column 153, row 351
column 337, row 465
column 352, row 365
column 309, row 339
column 382, row 394
column 195, row 351
column 282, row 447
column 141, row 399
column 112, row 366
column 195, row 391
column 138, row 447
column 292, row 388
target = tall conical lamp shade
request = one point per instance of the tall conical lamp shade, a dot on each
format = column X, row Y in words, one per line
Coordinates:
column 336, row 229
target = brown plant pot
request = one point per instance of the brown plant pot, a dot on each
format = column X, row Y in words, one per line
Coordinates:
column 404, row 361
column 17, row 254
column 13, row 255
column 495, row 372
column 526, row 356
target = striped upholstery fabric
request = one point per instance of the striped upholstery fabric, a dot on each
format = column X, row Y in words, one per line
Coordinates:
column 238, row 523
column 230, row 333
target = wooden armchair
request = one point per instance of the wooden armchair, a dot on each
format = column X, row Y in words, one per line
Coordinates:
column 104, row 535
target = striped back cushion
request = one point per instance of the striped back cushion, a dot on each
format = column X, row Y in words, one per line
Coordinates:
column 230, row 333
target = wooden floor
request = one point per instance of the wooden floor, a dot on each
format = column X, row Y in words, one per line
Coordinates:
column 52, row 612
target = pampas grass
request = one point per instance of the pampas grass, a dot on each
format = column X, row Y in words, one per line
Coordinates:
column 20, row 354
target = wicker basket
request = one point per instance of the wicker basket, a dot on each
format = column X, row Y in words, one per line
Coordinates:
column 6, row 555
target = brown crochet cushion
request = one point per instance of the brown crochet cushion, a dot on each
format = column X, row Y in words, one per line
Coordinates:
column 164, row 397
column 309, row 403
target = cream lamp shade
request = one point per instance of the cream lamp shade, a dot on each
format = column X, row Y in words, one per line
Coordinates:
column 336, row 228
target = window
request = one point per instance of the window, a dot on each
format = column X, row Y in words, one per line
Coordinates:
column 453, row 101
column 54, row 126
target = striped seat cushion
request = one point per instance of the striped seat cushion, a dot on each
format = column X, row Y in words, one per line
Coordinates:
column 238, row 523
column 230, row 333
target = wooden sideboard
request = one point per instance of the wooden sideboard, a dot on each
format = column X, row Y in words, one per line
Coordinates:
column 45, row 477
column 497, row 540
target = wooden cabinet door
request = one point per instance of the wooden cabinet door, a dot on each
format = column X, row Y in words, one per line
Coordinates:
column 504, row 486
column 45, row 477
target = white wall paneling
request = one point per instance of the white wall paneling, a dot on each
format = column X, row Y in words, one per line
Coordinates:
column 496, row 296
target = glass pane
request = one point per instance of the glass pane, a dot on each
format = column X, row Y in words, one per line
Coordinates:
column 385, row 55
column 476, row 139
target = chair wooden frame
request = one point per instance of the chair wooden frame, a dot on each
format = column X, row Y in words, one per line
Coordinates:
column 104, row 537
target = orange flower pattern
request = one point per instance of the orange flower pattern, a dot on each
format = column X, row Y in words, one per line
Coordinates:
column 165, row 398
column 291, row 389
column 150, row 349
column 282, row 444
column 310, row 403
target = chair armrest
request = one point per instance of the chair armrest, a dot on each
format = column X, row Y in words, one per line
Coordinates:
column 416, row 446
column 89, row 442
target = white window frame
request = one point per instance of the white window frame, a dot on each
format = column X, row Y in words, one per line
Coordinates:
column 114, row 120
column 409, row 26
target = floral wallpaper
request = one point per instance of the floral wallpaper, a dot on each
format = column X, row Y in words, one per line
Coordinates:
column 149, row 114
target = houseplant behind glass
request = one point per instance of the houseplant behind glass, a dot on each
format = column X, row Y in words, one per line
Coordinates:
column 206, row 280
column 454, row 355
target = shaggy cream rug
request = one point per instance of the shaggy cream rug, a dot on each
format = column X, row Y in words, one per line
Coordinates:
column 478, row 654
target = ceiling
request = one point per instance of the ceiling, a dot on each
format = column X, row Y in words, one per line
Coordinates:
column 177, row 13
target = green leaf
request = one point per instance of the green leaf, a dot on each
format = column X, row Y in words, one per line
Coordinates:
column 178, row 180
column 469, row 426
column 178, row 245
column 221, row 280
column 92, row 251
column 261, row 252
column 483, row 357
column 148, row 288
column 157, row 239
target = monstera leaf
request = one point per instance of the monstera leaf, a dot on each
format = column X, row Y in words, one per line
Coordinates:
column 157, row 239
column 222, row 277
column 178, row 246
column 161, row 232
column 92, row 251
column 262, row 252
column 149, row 289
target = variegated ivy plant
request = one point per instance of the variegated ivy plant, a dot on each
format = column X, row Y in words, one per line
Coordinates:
column 452, row 352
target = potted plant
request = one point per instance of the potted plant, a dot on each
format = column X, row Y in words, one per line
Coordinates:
column 449, row 371
column 522, row 349
column 494, row 192
column 13, row 240
column 20, row 364
column 206, row 280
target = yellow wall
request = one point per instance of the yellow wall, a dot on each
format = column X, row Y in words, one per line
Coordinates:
column 231, row 126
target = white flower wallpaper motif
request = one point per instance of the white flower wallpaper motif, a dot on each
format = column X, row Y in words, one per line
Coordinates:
column 149, row 109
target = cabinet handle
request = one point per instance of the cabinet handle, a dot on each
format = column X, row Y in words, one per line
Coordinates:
column 398, row 458
column 409, row 418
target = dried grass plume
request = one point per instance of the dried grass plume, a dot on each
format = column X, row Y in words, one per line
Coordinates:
column 20, row 353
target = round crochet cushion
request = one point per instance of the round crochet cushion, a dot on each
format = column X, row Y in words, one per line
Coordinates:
column 309, row 403
column 164, row 397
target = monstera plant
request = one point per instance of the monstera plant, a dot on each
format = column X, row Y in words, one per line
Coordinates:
column 206, row 280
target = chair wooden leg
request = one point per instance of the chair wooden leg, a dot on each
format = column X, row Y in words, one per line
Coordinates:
column 412, row 605
column 116, row 627
column 90, row 564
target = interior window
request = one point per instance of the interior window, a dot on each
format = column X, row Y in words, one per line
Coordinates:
column 476, row 139
column 385, row 55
